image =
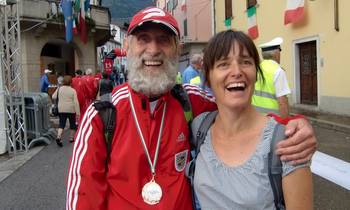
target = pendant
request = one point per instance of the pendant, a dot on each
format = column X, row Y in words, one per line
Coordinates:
column 151, row 193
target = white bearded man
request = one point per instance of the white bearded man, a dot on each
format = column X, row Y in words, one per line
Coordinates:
column 152, row 72
column 150, row 146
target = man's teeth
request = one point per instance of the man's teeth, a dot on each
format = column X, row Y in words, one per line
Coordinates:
column 236, row 85
column 152, row 63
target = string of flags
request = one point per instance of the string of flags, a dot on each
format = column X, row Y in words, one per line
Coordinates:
column 293, row 13
column 74, row 12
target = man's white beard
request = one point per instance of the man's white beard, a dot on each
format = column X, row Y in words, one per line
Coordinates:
column 151, row 83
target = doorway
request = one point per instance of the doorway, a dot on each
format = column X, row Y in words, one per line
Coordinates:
column 308, row 72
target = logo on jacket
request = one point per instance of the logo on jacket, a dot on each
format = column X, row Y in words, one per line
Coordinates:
column 181, row 137
column 180, row 160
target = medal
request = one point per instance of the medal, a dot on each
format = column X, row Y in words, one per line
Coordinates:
column 151, row 191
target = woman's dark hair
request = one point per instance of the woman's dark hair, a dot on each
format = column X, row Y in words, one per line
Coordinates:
column 221, row 45
column 67, row 80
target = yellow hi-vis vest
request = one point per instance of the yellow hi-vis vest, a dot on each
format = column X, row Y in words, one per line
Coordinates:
column 264, row 98
column 178, row 78
column 196, row 81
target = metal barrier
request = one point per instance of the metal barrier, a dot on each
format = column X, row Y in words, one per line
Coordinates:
column 37, row 106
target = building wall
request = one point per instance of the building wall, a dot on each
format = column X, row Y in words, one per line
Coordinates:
column 199, row 19
column 198, row 15
column 318, row 24
column 32, row 45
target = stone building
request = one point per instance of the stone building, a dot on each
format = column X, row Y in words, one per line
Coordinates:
column 43, row 43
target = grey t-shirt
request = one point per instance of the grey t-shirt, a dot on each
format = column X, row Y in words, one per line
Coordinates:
column 247, row 186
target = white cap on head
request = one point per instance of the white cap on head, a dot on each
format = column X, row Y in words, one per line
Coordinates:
column 272, row 45
column 46, row 71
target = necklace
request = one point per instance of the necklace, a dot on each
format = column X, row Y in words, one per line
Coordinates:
column 151, row 191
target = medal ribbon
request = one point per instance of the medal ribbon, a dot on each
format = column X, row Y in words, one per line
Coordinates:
column 152, row 165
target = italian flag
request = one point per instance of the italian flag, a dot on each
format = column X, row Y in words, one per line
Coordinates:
column 82, row 23
column 252, row 25
column 294, row 11
column 75, row 30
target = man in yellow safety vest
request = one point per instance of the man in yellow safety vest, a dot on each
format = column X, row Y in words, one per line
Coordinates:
column 270, row 95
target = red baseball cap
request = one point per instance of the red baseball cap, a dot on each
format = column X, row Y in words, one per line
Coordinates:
column 154, row 15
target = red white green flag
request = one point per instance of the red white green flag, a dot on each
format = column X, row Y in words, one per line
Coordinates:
column 252, row 24
column 82, row 23
column 75, row 29
column 294, row 11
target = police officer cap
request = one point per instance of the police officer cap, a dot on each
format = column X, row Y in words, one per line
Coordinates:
column 272, row 45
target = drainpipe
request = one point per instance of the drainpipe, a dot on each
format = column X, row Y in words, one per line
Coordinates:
column 213, row 12
column 336, row 15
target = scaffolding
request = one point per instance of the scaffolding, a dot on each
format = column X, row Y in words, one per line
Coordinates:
column 12, row 78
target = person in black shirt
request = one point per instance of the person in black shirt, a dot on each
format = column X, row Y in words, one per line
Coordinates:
column 105, row 85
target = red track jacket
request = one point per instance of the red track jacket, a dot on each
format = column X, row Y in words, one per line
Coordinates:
column 90, row 186
column 80, row 88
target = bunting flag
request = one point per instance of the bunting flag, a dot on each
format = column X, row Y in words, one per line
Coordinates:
column 76, row 6
column 75, row 30
column 252, row 24
column 68, row 18
column 228, row 22
column 82, row 22
column 183, row 6
column 294, row 11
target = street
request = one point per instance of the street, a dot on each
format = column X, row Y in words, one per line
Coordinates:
column 329, row 196
column 40, row 183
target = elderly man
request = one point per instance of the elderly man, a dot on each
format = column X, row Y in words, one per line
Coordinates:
column 192, row 74
column 271, row 95
column 145, row 166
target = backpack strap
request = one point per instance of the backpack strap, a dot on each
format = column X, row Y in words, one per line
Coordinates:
column 202, row 131
column 275, row 167
column 181, row 95
column 107, row 112
column 199, row 128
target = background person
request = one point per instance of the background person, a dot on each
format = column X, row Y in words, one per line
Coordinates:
column 80, row 88
column 44, row 81
column 105, row 84
column 271, row 94
column 91, row 85
column 232, row 163
column 192, row 74
column 68, row 108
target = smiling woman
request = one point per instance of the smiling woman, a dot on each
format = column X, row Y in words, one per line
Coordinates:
column 231, row 166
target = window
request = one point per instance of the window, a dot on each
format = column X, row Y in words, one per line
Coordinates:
column 185, row 27
column 228, row 9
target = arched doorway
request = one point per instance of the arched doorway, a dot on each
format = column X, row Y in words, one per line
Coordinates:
column 59, row 57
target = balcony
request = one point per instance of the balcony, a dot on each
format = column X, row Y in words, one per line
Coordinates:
column 48, row 13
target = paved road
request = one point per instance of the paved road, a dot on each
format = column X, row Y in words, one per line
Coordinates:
column 327, row 195
column 40, row 183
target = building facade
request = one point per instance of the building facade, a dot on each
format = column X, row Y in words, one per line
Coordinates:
column 314, row 52
column 195, row 19
column 43, row 43
column 116, row 41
